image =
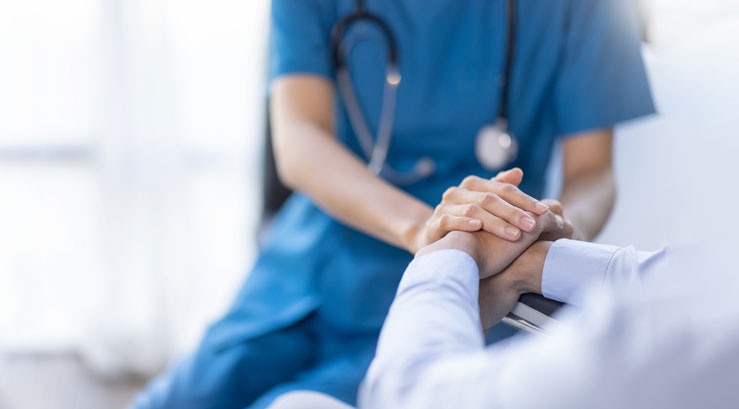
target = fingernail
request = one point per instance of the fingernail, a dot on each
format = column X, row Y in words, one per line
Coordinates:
column 528, row 223
column 475, row 223
column 541, row 207
column 512, row 232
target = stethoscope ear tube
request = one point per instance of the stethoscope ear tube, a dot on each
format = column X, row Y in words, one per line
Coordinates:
column 340, row 29
column 387, row 119
column 374, row 151
column 495, row 146
column 356, row 118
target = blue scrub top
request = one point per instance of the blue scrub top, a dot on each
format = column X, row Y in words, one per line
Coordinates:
column 577, row 66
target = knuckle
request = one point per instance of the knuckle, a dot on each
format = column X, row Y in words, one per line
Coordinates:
column 516, row 213
column 488, row 199
column 449, row 193
column 431, row 223
column 444, row 220
column 469, row 180
column 501, row 225
column 553, row 204
column 435, row 225
column 471, row 210
column 507, row 188
column 555, row 222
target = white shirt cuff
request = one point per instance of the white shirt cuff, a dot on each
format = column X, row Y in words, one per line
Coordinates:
column 572, row 265
column 442, row 266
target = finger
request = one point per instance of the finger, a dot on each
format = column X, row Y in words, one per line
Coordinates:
column 448, row 222
column 554, row 205
column 507, row 191
column 444, row 221
column 490, row 223
column 496, row 206
column 513, row 176
column 552, row 223
column 565, row 233
column 439, row 225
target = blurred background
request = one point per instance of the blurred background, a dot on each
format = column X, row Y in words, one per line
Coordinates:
column 131, row 139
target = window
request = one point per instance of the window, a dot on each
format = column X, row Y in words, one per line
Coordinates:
column 129, row 138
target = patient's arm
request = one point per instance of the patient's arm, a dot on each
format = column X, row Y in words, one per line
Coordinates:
column 431, row 351
column 499, row 292
column 560, row 271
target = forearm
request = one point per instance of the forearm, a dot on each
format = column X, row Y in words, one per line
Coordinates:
column 588, row 201
column 434, row 315
column 311, row 160
column 340, row 183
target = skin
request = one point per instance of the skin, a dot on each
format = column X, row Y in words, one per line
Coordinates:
column 492, row 253
column 499, row 293
column 507, row 270
column 311, row 160
column 588, row 189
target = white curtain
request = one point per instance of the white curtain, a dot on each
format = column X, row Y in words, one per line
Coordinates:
column 130, row 137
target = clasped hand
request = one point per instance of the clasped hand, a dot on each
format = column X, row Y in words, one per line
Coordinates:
column 508, row 266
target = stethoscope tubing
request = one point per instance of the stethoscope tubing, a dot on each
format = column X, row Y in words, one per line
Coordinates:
column 376, row 151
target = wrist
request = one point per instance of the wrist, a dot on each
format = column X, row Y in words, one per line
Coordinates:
column 530, row 268
column 465, row 242
column 455, row 240
column 412, row 233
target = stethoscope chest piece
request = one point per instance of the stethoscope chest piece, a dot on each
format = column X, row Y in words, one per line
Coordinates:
column 495, row 147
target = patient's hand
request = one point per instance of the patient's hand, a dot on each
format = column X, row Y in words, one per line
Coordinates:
column 499, row 293
column 507, row 269
column 566, row 231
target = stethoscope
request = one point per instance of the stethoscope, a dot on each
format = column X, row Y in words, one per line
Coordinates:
column 495, row 145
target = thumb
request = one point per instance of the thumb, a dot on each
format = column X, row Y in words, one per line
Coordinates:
column 513, row 176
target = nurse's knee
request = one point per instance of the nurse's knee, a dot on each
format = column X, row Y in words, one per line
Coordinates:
column 209, row 377
column 307, row 400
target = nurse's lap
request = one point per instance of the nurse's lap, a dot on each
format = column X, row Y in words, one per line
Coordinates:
column 307, row 400
column 232, row 376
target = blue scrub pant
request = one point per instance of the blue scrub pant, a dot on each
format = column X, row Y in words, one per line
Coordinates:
column 309, row 355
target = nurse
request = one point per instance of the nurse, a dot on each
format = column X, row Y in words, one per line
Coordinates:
column 308, row 315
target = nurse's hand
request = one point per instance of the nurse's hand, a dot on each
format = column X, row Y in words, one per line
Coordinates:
column 495, row 205
column 494, row 254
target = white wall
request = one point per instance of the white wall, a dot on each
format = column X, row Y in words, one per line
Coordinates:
column 678, row 172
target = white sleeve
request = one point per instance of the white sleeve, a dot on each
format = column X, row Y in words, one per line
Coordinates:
column 572, row 266
column 435, row 315
column 431, row 352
